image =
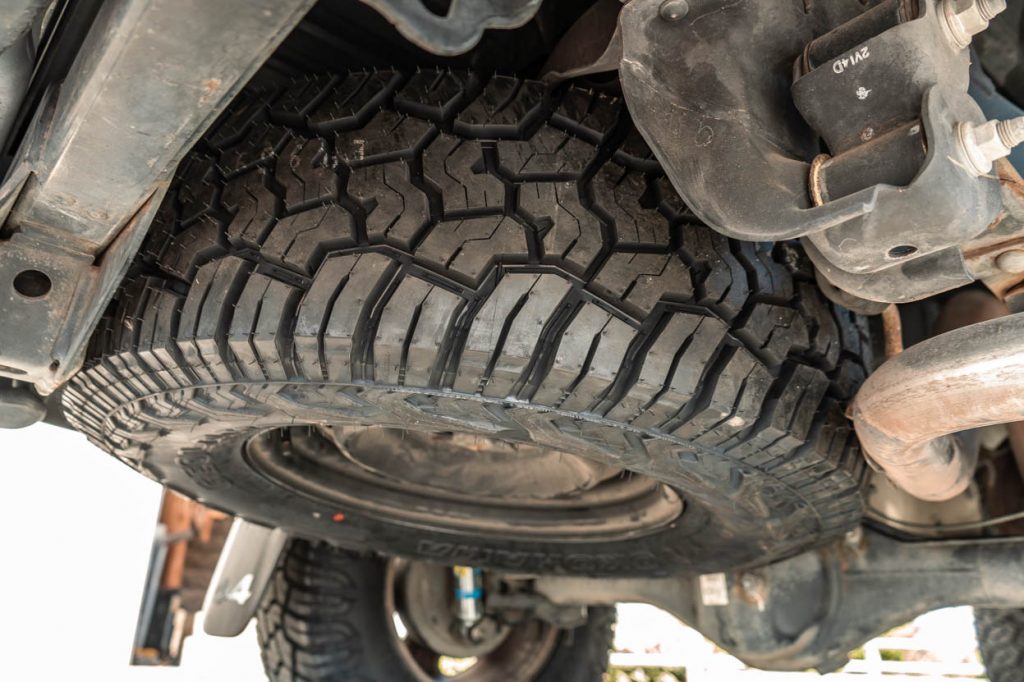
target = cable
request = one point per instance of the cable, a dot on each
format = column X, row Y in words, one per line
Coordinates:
column 876, row 515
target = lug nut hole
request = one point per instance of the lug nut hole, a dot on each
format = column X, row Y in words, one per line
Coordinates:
column 32, row 284
column 902, row 251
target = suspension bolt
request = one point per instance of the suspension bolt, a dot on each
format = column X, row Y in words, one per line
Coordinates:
column 982, row 145
column 964, row 19
column 673, row 10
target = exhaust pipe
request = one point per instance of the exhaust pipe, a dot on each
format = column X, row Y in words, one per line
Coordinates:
column 908, row 412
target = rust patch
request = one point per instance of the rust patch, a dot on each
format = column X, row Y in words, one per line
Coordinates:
column 210, row 88
column 893, row 328
column 1009, row 177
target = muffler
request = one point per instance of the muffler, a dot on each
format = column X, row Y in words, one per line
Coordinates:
column 908, row 413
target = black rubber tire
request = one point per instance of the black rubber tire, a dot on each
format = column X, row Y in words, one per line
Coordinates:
column 480, row 255
column 1001, row 642
column 323, row 618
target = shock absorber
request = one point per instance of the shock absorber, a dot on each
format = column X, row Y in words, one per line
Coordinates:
column 469, row 595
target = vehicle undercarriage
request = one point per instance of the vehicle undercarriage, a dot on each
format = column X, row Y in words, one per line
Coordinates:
column 511, row 310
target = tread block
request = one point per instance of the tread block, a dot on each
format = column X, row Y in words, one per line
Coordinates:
column 786, row 420
column 824, row 333
column 399, row 211
column 351, row 308
column 196, row 188
column 657, row 367
column 301, row 239
column 434, row 95
column 572, row 354
column 775, row 331
column 732, row 405
column 305, row 170
column 253, row 207
column 587, row 114
column 617, row 193
column 257, row 149
column 549, row 154
column 437, row 315
column 643, row 279
column 488, row 330
column 313, row 312
column 505, row 107
column 243, row 322
column 690, row 372
column 521, row 341
column 457, row 169
column 469, row 246
column 396, row 323
column 722, row 282
column 606, row 359
column 249, row 107
column 300, row 98
column 389, row 135
column 215, row 312
column 574, row 236
column 270, row 337
column 353, row 100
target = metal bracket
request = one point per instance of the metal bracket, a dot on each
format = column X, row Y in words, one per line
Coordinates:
column 811, row 610
column 592, row 45
column 91, row 172
column 17, row 18
column 242, row 575
column 733, row 98
column 460, row 28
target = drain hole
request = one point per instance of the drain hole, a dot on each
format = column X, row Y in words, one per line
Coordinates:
column 902, row 251
column 32, row 284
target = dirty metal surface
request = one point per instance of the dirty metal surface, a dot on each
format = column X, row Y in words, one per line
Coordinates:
column 149, row 79
column 811, row 610
column 734, row 109
column 460, row 28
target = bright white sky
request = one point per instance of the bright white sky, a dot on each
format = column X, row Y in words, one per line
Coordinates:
column 77, row 527
column 77, row 531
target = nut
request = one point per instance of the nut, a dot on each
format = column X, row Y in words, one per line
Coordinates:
column 982, row 145
column 964, row 19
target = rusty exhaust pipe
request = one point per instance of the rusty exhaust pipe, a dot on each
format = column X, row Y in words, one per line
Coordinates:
column 908, row 411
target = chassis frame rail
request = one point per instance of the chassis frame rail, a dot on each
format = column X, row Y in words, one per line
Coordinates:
column 811, row 610
column 98, row 156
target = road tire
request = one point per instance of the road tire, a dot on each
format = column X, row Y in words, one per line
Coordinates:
column 487, row 256
column 1001, row 642
column 324, row 618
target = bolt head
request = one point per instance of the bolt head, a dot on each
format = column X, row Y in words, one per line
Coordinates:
column 1011, row 262
column 967, row 18
column 673, row 10
column 982, row 145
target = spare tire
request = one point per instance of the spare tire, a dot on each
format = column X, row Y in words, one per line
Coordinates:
column 448, row 253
